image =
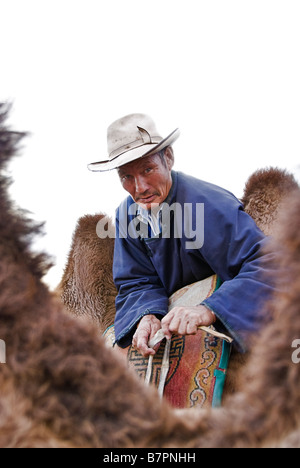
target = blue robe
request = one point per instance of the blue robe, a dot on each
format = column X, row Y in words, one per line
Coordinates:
column 215, row 237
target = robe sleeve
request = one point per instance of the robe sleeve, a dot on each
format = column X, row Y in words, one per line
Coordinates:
column 140, row 291
column 235, row 249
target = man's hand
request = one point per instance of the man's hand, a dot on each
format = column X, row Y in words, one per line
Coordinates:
column 180, row 320
column 146, row 330
column 186, row 320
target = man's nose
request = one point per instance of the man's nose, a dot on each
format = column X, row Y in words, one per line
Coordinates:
column 140, row 185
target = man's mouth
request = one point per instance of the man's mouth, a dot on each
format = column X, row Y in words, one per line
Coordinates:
column 146, row 200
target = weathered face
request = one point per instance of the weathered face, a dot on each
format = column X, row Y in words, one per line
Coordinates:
column 148, row 180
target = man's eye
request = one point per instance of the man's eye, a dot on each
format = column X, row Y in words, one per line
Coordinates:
column 149, row 169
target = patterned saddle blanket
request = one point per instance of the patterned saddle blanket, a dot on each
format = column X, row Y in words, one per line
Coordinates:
column 197, row 363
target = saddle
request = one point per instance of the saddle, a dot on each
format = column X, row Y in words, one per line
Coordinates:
column 187, row 370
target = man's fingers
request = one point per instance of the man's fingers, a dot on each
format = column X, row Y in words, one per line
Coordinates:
column 186, row 320
column 141, row 344
column 148, row 327
column 172, row 323
column 191, row 328
column 146, row 351
column 165, row 326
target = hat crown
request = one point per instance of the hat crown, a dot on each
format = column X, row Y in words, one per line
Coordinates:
column 130, row 132
column 132, row 137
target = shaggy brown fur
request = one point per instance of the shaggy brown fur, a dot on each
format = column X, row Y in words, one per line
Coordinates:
column 267, row 410
column 61, row 387
column 264, row 195
column 87, row 286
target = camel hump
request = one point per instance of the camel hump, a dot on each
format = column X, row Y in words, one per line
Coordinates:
column 87, row 286
column 264, row 193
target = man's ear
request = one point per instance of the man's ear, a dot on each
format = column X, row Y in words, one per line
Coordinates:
column 169, row 157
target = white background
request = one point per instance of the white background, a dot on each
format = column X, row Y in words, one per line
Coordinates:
column 227, row 73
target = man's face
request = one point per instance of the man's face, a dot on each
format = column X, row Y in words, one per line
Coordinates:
column 148, row 180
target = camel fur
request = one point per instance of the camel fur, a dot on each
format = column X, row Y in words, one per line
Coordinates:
column 87, row 286
column 264, row 195
column 62, row 387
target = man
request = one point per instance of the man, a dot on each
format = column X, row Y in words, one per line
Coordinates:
column 158, row 250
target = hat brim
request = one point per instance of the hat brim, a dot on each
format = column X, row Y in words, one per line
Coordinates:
column 132, row 155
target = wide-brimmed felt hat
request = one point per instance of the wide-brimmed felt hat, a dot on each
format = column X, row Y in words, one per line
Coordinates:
column 132, row 137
